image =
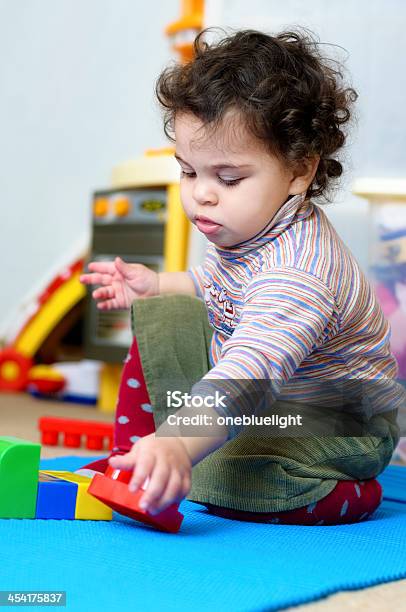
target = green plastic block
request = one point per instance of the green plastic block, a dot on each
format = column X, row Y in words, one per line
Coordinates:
column 19, row 465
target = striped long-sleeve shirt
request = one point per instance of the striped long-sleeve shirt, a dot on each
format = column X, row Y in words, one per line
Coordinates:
column 292, row 306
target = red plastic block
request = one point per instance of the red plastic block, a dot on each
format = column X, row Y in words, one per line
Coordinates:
column 73, row 430
column 112, row 489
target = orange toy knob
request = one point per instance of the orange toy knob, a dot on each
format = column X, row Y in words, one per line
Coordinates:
column 101, row 207
column 122, row 207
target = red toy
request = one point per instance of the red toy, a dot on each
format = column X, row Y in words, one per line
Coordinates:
column 112, row 489
column 14, row 368
column 73, row 430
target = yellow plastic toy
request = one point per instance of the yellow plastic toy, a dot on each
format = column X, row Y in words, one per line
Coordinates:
column 59, row 297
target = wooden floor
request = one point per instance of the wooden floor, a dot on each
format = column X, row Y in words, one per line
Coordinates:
column 19, row 415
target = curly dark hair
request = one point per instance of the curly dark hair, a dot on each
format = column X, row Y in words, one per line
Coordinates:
column 289, row 96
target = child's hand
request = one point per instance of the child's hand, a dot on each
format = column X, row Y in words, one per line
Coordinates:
column 165, row 462
column 121, row 283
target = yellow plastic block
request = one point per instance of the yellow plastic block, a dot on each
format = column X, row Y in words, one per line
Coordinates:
column 87, row 506
column 110, row 376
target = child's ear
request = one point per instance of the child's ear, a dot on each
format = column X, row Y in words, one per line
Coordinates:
column 303, row 174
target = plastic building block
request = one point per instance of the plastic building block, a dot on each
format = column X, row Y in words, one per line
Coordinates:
column 101, row 465
column 73, row 430
column 19, row 463
column 86, row 507
column 112, row 489
column 56, row 498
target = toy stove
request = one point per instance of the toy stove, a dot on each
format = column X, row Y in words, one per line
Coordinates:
column 129, row 223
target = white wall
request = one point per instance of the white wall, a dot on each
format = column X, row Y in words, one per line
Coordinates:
column 76, row 83
column 76, row 98
column 373, row 34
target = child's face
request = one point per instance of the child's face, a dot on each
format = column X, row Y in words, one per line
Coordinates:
column 229, row 180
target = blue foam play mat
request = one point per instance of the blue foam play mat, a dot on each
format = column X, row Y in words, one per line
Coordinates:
column 212, row 563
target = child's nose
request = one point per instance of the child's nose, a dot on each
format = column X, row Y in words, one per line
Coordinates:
column 203, row 193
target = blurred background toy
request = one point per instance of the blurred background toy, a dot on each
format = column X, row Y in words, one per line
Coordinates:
column 387, row 240
column 138, row 217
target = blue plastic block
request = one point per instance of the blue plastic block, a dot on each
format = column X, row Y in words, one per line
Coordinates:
column 56, row 498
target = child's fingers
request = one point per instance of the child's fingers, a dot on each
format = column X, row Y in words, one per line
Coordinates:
column 123, row 267
column 107, row 305
column 103, row 293
column 119, row 293
column 110, row 297
column 104, row 267
column 96, row 279
column 86, row 279
column 156, row 486
column 174, row 493
column 143, row 469
column 122, row 462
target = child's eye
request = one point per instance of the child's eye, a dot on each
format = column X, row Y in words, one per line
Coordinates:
column 223, row 181
column 229, row 182
column 187, row 174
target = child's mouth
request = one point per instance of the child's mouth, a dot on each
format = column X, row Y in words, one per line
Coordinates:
column 206, row 226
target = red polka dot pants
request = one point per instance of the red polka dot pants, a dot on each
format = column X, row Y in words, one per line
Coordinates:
column 350, row 501
column 134, row 417
column 133, row 411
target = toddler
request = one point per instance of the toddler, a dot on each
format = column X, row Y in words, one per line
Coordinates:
column 277, row 317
